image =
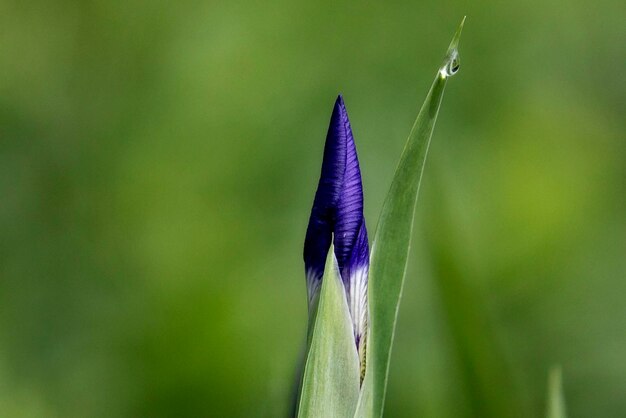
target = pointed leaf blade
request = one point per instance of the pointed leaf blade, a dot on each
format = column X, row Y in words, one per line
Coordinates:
column 556, row 401
column 390, row 248
column 330, row 386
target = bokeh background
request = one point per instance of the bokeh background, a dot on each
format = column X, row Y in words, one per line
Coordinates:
column 158, row 161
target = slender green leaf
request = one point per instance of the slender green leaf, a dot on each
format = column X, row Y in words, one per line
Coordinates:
column 390, row 248
column 556, row 401
column 330, row 387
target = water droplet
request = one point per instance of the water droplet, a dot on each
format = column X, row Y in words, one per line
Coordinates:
column 452, row 64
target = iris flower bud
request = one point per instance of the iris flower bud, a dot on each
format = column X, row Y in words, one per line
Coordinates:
column 338, row 212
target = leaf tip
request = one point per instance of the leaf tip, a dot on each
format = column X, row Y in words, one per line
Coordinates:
column 452, row 61
column 454, row 44
column 556, row 401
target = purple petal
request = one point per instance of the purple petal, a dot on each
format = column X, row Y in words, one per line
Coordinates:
column 338, row 209
column 338, row 204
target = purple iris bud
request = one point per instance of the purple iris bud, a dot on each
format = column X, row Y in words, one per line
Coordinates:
column 338, row 212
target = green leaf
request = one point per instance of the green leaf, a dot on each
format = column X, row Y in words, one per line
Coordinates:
column 556, row 401
column 391, row 243
column 330, row 386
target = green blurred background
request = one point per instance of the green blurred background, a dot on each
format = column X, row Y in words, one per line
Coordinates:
column 158, row 161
